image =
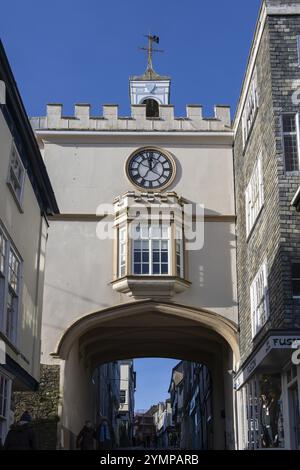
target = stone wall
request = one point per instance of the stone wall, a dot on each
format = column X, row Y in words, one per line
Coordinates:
column 43, row 406
column 111, row 121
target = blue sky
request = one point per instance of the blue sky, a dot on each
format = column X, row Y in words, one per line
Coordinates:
column 152, row 379
column 72, row 51
column 75, row 51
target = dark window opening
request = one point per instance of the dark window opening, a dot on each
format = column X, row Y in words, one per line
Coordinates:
column 296, row 280
column 152, row 108
column 290, row 140
column 122, row 396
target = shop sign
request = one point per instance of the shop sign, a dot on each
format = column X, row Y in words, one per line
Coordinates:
column 274, row 342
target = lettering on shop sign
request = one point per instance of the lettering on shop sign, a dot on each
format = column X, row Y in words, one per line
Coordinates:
column 251, row 366
column 284, row 342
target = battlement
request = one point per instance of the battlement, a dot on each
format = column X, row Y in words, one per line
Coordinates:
column 111, row 121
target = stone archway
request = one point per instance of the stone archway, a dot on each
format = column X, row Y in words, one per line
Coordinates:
column 147, row 329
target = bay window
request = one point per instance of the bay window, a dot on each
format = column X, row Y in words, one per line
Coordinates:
column 150, row 259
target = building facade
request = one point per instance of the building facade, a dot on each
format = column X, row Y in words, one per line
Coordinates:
column 126, row 408
column 266, row 162
column 145, row 429
column 164, row 425
column 191, row 404
column 26, row 200
column 106, row 380
column 176, row 401
column 197, row 412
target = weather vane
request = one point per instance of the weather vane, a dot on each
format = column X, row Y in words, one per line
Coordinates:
column 150, row 49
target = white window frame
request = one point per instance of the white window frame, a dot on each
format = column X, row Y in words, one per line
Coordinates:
column 6, row 288
column 294, row 279
column 298, row 49
column 122, row 244
column 179, row 242
column 151, row 239
column 125, row 397
column 4, row 413
column 250, row 108
column 254, row 196
column 18, row 195
column 297, row 132
column 260, row 281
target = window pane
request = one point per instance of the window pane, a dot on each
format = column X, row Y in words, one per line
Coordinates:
column 146, row 257
column 137, row 269
column 145, row 269
column 155, row 257
column 164, row 257
column 164, row 245
column 296, row 270
column 289, row 123
column 155, row 245
column 11, row 316
column 164, row 268
column 16, row 173
column 291, row 152
column 137, row 245
column 137, row 257
column 296, row 288
column 145, row 245
column 155, row 268
column 13, row 274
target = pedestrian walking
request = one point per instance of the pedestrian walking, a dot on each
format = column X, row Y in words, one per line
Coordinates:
column 21, row 435
column 104, row 433
column 86, row 438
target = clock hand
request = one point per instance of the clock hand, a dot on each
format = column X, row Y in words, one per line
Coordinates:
column 155, row 165
column 155, row 172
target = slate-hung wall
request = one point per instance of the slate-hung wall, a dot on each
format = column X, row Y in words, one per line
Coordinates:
column 263, row 242
column 275, row 235
column 285, row 65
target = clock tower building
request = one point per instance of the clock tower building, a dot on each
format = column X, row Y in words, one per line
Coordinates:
column 120, row 286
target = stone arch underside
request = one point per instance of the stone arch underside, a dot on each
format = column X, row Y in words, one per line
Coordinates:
column 148, row 328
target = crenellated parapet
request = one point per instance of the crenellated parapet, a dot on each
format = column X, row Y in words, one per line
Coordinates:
column 111, row 121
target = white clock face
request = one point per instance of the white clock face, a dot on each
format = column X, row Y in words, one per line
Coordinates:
column 150, row 169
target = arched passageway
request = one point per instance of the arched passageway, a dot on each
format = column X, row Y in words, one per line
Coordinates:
column 147, row 329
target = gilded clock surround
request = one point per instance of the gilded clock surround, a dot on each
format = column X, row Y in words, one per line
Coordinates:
column 166, row 154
